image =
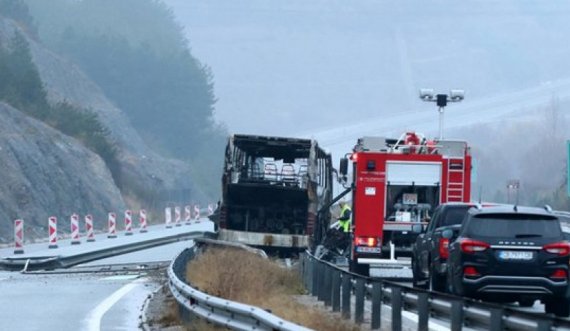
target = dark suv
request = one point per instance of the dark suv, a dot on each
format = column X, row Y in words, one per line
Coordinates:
column 509, row 254
column 429, row 253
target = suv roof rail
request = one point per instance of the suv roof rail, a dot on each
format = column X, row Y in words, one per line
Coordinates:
column 548, row 208
column 478, row 206
column 515, row 208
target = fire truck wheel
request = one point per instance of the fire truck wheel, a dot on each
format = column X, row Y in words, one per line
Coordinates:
column 361, row 269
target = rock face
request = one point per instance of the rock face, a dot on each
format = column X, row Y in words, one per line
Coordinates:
column 141, row 167
column 45, row 173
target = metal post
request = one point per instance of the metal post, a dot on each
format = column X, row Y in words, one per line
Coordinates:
column 321, row 283
column 376, row 323
column 441, row 123
column 306, row 266
column 396, row 302
column 310, row 269
column 328, row 285
column 496, row 319
column 315, row 273
column 456, row 315
column 544, row 325
column 336, row 291
column 346, row 287
column 359, row 306
column 423, row 311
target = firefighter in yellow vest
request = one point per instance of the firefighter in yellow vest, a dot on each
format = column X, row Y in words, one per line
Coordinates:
column 345, row 218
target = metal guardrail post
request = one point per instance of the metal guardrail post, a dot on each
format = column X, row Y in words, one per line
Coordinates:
column 359, row 305
column 305, row 269
column 310, row 271
column 396, row 302
column 346, row 288
column 328, row 285
column 544, row 325
column 321, row 283
column 315, row 278
column 423, row 311
column 376, row 322
column 456, row 315
column 336, row 291
column 496, row 319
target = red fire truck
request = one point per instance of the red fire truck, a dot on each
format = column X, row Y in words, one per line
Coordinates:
column 396, row 184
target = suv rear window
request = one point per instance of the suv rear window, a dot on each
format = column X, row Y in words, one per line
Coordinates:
column 514, row 226
column 454, row 215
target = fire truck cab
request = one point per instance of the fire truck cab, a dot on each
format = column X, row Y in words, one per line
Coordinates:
column 396, row 184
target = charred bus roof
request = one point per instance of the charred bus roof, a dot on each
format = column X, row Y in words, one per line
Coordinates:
column 276, row 147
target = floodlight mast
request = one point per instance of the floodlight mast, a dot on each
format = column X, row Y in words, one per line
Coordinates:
column 441, row 100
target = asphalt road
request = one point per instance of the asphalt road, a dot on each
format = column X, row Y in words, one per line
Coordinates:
column 77, row 299
column 111, row 301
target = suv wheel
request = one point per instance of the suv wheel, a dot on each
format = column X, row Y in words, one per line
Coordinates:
column 559, row 307
column 526, row 302
column 437, row 282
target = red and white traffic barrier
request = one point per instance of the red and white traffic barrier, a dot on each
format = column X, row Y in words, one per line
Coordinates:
column 187, row 214
column 210, row 209
column 142, row 219
column 75, row 229
column 19, row 237
column 52, row 226
column 168, row 217
column 196, row 212
column 128, row 223
column 112, row 225
column 177, row 216
column 89, row 228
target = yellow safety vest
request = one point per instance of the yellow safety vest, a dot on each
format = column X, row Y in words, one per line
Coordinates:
column 346, row 223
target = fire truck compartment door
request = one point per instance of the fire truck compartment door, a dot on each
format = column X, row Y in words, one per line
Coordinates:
column 406, row 173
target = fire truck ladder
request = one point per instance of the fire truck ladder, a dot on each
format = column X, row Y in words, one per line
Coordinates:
column 455, row 179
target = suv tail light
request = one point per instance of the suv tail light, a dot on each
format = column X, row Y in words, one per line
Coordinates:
column 471, row 272
column 367, row 241
column 471, row 246
column 444, row 248
column 559, row 274
column 560, row 248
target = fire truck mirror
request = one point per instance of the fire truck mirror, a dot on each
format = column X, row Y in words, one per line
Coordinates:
column 417, row 228
column 343, row 169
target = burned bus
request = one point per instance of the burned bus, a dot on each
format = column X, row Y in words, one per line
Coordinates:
column 272, row 190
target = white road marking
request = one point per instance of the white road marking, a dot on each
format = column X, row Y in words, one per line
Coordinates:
column 94, row 318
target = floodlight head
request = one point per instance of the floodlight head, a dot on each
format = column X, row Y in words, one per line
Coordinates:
column 426, row 94
column 456, row 95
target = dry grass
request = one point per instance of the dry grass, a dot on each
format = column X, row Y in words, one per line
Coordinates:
column 168, row 314
column 244, row 277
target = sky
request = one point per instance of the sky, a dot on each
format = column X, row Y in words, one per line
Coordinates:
column 290, row 67
column 336, row 70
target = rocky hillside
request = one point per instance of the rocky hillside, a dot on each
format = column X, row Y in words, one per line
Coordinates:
column 48, row 173
column 141, row 168
column 45, row 173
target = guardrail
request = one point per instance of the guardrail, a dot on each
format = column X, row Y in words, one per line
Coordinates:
column 57, row 262
column 226, row 313
column 336, row 288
